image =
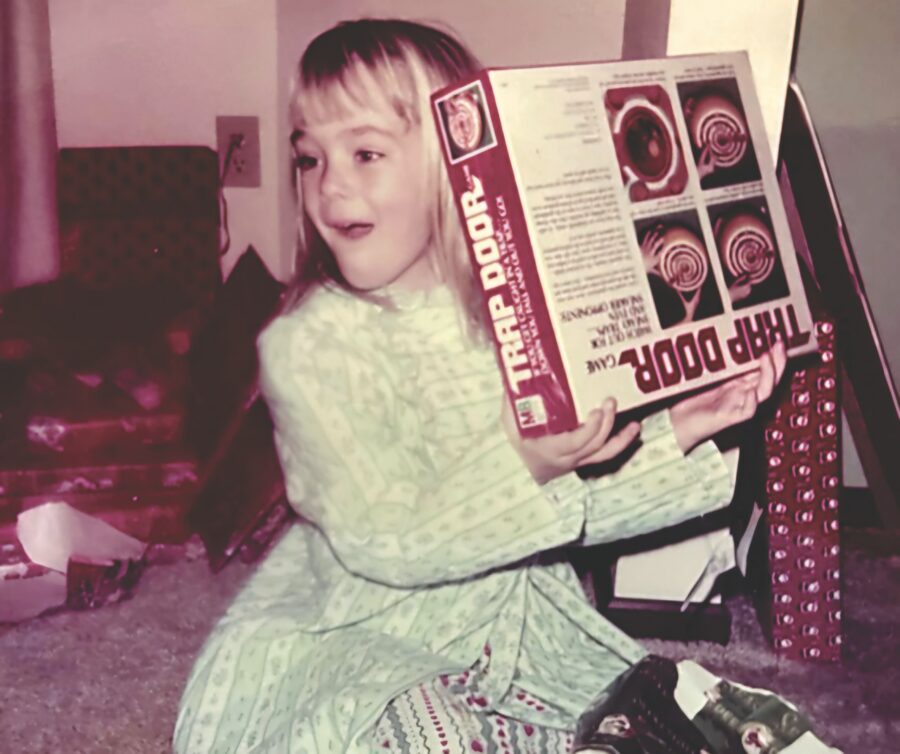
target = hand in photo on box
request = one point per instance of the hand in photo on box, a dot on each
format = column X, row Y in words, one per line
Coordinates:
column 677, row 266
column 683, row 272
column 719, row 132
column 750, row 258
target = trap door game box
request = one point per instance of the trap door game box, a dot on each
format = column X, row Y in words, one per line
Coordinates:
column 625, row 223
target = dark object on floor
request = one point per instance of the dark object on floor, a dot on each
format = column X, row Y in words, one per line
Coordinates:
column 638, row 714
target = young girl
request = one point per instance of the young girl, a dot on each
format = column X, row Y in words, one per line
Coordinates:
column 412, row 612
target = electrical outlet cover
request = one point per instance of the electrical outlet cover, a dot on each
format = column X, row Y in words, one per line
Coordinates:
column 243, row 169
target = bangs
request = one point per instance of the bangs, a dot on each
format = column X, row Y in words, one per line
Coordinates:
column 376, row 63
column 322, row 94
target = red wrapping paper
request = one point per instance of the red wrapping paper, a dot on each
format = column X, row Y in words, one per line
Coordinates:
column 60, row 434
column 36, row 478
column 803, row 481
column 129, row 399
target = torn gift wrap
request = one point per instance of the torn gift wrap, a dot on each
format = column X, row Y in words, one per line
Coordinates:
column 82, row 562
column 54, row 532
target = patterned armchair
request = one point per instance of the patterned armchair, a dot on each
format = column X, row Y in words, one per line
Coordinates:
column 124, row 384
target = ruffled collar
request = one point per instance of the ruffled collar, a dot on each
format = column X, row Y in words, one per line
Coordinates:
column 406, row 300
column 397, row 298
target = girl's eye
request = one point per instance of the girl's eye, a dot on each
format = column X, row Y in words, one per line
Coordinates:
column 368, row 155
column 306, row 162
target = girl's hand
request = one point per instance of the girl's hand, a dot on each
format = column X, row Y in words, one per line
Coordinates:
column 701, row 416
column 551, row 456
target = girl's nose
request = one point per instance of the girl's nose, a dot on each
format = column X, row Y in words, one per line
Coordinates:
column 335, row 180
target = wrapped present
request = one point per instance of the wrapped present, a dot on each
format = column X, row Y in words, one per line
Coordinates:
column 147, row 491
column 134, row 396
column 267, row 524
column 50, row 411
column 802, row 600
column 66, row 320
column 98, row 432
column 223, row 361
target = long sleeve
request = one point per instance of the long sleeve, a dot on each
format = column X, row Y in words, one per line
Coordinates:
column 659, row 486
column 399, row 506
column 355, row 464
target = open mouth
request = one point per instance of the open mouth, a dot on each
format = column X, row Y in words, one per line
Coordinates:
column 353, row 230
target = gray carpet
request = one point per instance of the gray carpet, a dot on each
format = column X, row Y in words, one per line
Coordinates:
column 108, row 681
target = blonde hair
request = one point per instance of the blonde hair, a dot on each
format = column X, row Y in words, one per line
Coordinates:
column 369, row 61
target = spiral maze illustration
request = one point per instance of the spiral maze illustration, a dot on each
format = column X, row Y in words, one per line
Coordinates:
column 464, row 122
column 683, row 266
column 719, row 125
column 748, row 248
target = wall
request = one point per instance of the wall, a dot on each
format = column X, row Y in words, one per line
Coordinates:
column 499, row 32
column 846, row 65
column 157, row 73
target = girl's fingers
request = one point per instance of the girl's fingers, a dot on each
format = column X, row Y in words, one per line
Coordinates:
column 775, row 362
column 766, row 378
column 600, row 438
column 748, row 381
column 751, row 404
column 593, row 442
column 570, row 443
column 614, row 445
column 779, row 356
column 599, row 424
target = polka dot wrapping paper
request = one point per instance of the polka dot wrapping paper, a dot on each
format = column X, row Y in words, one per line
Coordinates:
column 802, row 490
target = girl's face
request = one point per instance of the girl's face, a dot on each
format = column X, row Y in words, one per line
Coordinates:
column 364, row 186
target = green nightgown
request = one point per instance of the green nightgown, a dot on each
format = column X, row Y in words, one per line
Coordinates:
column 426, row 526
